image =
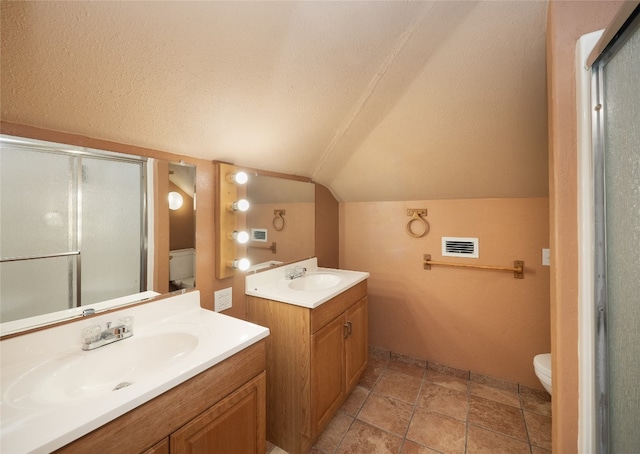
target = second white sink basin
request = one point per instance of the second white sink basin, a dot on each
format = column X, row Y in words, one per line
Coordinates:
column 315, row 281
column 311, row 290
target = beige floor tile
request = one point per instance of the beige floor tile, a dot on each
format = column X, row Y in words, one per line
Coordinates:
column 398, row 385
column 372, row 373
column 481, row 441
column 450, row 381
column 537, row 450
column 497, row 417
column 409, row 447
column 277, row 450
column 439, row 432
column 499, row 395
column 443, row 400
column 387, row 413
column 355, row 400
column 334, row 433
column 536, row 404
column 378, row 362
column 539, row 429
column 363, row 438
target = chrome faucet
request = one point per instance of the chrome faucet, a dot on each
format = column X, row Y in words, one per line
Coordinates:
column 94, row 336
column 292, row 273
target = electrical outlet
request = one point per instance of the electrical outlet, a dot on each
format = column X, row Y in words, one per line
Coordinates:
column 546, row 257
column 222, row 299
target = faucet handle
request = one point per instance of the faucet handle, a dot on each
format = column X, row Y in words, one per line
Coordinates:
column 127, row 322
column 91, row 334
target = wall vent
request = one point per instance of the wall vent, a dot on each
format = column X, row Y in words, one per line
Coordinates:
column 460, row 247
column 259, row 235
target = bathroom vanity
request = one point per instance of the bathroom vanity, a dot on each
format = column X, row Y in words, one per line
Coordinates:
column 187, row 380
column 317, row 349
column 219, row 410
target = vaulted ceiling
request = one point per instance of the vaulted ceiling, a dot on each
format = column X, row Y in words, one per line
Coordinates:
column 377, row 100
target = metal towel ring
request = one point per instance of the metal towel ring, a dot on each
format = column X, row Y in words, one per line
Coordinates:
column 416, row 215
column 278, row 220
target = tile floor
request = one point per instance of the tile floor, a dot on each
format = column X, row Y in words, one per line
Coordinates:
column 405, row 408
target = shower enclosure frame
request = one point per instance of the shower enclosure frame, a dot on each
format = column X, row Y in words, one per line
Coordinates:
column 75, row 208
column 594, row 51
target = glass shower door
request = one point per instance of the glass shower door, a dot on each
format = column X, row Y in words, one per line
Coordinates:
column 112, row 229
column 617, row 162
column 37, row 229
column 72, row 228
column 622, row 193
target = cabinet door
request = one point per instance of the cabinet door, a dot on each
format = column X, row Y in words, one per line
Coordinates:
column 327, row 373
column 236, row 424
column 356, row 342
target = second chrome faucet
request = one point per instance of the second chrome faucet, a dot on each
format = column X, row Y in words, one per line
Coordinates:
column 293, row 273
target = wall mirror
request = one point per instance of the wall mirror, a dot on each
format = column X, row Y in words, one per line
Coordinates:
column 73, row 231
column 182, row 226
column 280, row 221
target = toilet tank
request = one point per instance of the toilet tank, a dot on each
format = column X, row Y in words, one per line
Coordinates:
column 181, row 263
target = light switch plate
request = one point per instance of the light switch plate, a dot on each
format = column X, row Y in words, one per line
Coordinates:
column 222, row 299
column 546, row 257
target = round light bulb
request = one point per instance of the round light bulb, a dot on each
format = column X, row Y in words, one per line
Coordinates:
column 241, row 177
column 241, row 205
column 175, row 201
column 239, row 264
column 241, row 237
column 244, row 264
column 237, row 178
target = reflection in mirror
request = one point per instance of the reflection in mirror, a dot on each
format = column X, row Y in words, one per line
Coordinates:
column 281, row 221
column 182, row 227
column 72, row 229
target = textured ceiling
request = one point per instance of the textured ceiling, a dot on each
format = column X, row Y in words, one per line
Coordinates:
column 377, row 100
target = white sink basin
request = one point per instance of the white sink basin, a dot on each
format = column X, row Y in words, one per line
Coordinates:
column 82, row 375
column 53, row 392
column 315, row 281
column 313, row 289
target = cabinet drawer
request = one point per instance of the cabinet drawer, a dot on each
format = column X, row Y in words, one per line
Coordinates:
column 323, row 314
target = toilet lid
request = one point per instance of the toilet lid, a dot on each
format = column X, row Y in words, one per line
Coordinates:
column 543, row 363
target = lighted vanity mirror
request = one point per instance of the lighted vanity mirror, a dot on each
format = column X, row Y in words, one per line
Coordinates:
column 281, row 220
column 182, row 226
column 73, row 231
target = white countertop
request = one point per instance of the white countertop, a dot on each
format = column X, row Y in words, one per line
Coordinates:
column 30, row 425
column 273, row 285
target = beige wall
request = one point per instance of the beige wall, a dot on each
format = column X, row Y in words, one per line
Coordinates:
column 327, row 228
column 293, row 242
column 484, row 321
column 567, row 21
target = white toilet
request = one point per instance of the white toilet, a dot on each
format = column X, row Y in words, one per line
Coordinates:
column 181, row 268
column 542, row 366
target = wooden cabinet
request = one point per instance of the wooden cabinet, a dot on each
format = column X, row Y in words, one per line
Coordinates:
column 222, row 409
column 159, row 448
column 315, row 358
column 226, row 427
column 356, row 343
